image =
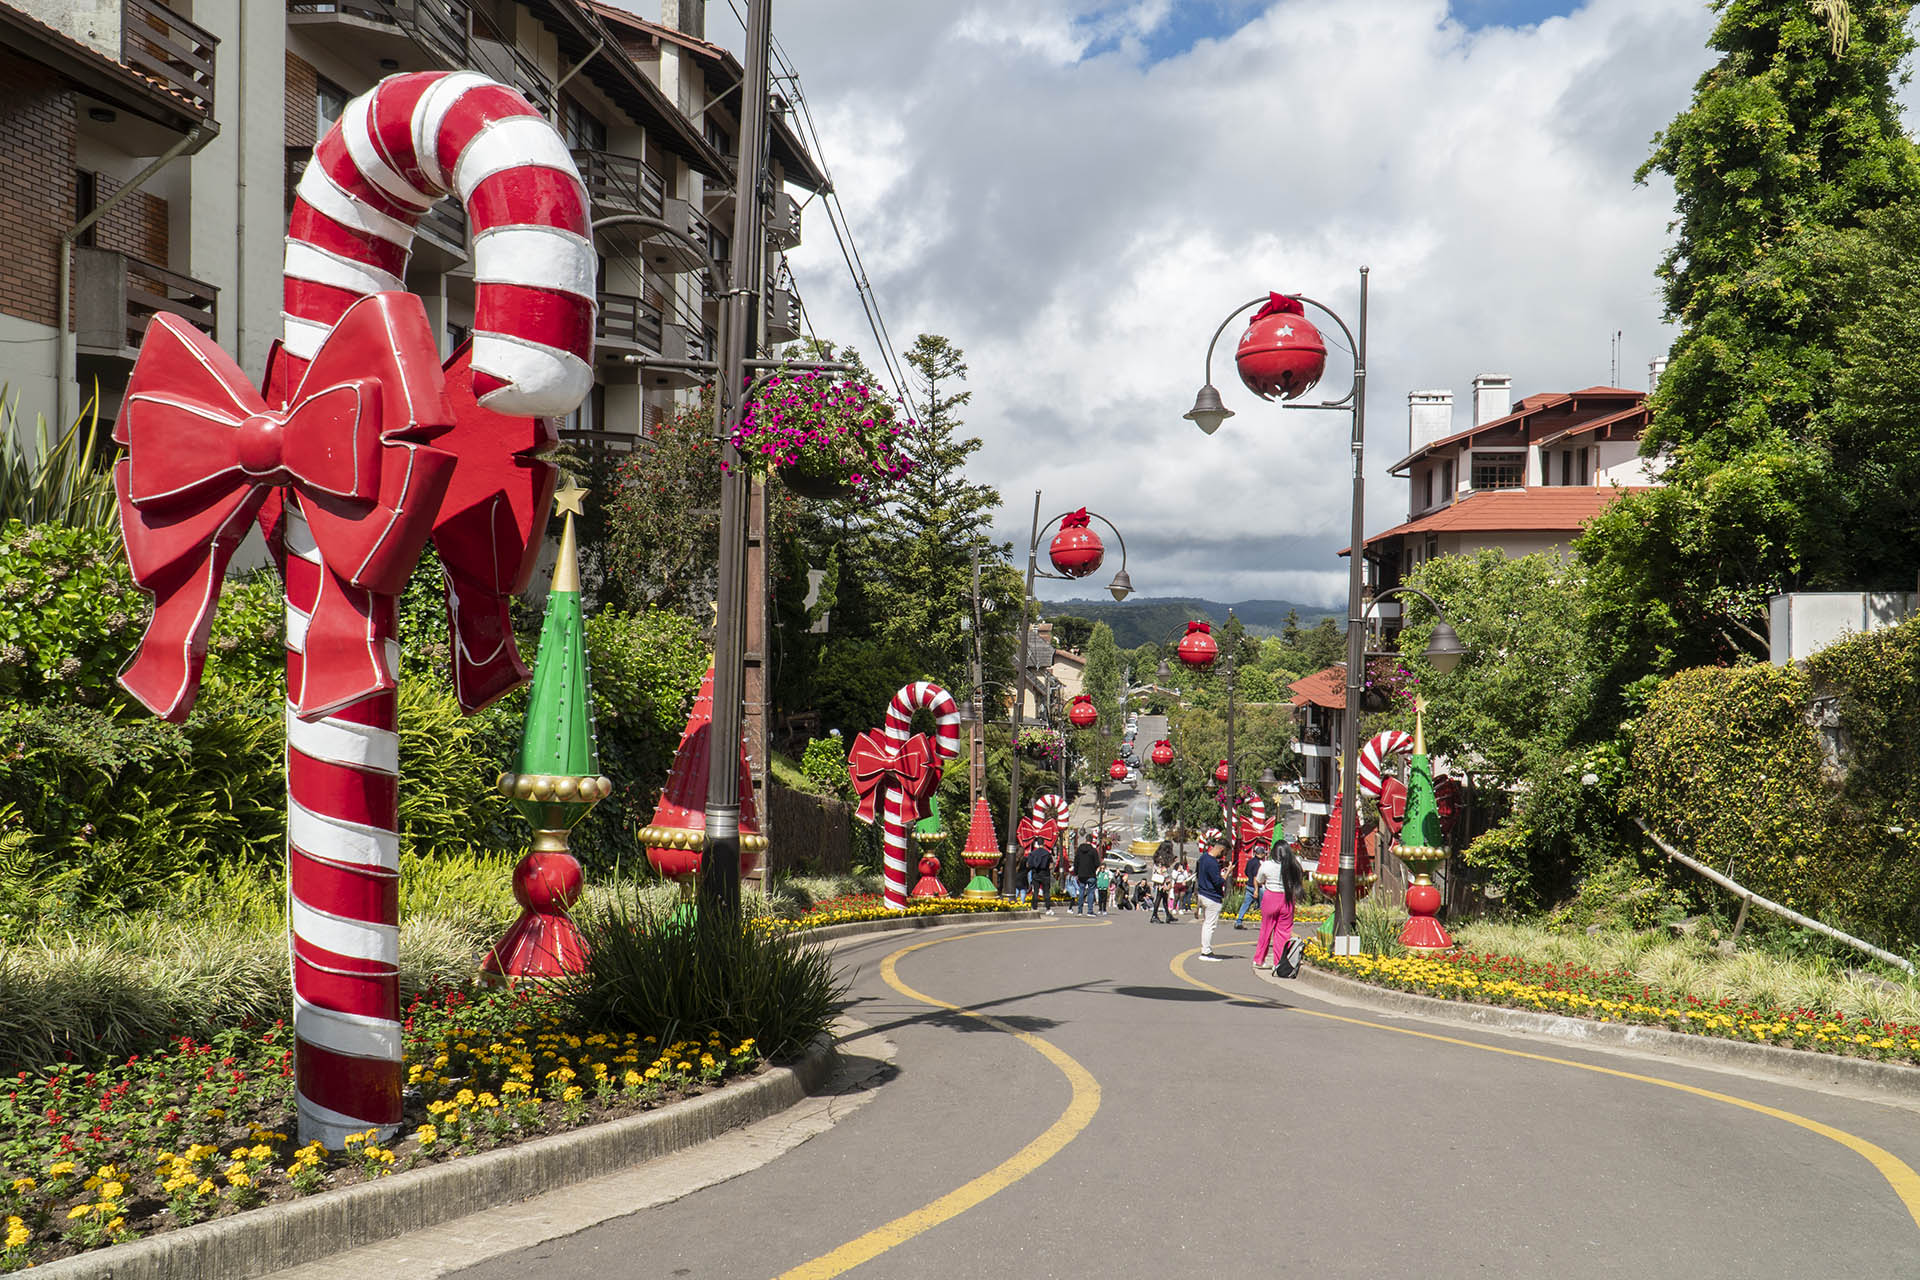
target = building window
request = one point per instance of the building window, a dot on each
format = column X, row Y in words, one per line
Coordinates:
column 1446, row 479
column 1433, row 546
column 1429, row 486
column 1566, row 466
column 582, row 130
column 1585, row 478
column 86, row 197
column 1502, row 469
column 722, row 140
column 329, row 100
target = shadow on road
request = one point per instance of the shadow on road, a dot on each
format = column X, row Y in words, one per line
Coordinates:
column 1166, row 993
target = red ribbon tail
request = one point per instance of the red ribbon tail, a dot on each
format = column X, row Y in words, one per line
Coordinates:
column 486, row 662
column 164, row 673
column 344, row 657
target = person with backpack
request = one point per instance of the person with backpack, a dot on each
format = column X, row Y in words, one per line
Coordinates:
column 1039, row 869
column 1250, row 877
column 1279, row 881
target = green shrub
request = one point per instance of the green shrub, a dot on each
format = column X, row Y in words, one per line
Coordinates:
column 448, row 801
column 825, row 764
column 688, row 974
column 69, row 613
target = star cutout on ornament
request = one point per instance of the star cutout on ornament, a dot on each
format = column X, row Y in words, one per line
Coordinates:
column 567, row 499
column 1286, row 331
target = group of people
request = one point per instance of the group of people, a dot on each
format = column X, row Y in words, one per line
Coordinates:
column 1173, row 887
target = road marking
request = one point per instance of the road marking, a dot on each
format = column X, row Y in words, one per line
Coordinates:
column 1899, row 1175
column 1079, row 1113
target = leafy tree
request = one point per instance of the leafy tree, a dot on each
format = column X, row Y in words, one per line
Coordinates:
column 664, row 517
column 1070, row 631
column 1098, row 746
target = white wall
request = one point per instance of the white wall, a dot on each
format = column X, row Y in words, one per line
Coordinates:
column 1619, row 462
column 27, row 355
column 91, row 22
column 1805, row 622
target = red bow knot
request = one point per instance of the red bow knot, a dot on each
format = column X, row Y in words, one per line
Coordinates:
column 876, row 761
column 205, row 452
column 1031, row 833
column 1203, row 628
column 1279, row 304
column 1076, row 519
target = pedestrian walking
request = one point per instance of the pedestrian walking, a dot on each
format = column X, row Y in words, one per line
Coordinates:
column 1250, row 899
column 1210, row 893
column 1039, row 868
column 1279, row 886
column 1122, row 891
column 1181, row 882
column 1159, row 883
column 1086, row 865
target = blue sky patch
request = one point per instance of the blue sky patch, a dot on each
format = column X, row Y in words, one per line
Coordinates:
column 1510, row 13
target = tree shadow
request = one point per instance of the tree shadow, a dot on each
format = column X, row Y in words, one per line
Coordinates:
column 1188, row 994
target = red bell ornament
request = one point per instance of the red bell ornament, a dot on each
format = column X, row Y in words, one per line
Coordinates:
column 1197, row 647
column 1076, row 550
column 1163, row 752
column 1082, row 712
column 1221, row 773
column 1117, row 770
column 1281, row 353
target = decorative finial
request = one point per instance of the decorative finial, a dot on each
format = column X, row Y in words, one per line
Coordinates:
column 1419, row 725
column 567, row 499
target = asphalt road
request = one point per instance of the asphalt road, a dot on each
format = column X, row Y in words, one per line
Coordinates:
column 1102, row 1104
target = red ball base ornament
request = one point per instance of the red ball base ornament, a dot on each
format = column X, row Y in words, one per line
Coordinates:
column 1162, row 752
column 543, row 943
column 1423, row 934
column 929, row 885
column 1076, row 550
column 1281, row 353
column 1082, row 712
column 1197, row 648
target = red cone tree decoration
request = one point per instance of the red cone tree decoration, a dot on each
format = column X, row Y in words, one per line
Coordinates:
column 677, row 836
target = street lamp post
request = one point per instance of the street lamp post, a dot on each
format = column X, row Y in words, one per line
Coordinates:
column 1121, row 587
column 1208, row 412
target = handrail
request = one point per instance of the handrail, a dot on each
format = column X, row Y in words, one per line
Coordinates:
column 1747, row 896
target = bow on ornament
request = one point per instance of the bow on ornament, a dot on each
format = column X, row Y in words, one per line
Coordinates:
column 1278, row 304
column 877, row 761
column 1030, row 832
column 1076, row 520
column 1199, row 628
column 205, row 452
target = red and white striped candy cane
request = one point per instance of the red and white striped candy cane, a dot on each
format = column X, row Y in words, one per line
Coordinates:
column 1371, row 769
column 920, row 695
column 396, row 150
column 1050, row 808
column 1255, row 827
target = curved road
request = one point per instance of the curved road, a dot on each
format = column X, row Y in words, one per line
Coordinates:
column 1103, row 1104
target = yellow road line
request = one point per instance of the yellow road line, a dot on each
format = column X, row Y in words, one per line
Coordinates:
column 1079, row 1113
column 1899, row 1175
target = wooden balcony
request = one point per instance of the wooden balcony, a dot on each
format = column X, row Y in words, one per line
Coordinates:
column 115, row 296
column 783, row 221
column 419, row 35
column 619, row 184
column 784, row 321
column 628, row 325
column 157, row 42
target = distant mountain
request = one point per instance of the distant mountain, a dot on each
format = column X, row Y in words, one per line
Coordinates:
column 1144, row 620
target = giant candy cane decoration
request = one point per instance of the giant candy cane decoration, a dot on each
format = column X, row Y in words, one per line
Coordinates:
column 395, row 151
column 1371, row 769
column 896, row 769
column 1254, row 827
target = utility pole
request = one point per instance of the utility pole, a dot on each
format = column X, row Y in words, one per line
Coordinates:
column 1019, row 697
column 720, row 865
column 977, row 740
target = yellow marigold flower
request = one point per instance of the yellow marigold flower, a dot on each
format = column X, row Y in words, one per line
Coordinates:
column 206, row 1187
column 355, row 1139
column 111, row 1190
column 23, row 1185
column 572, row 1092
column 464, row 1097
column 239, row 1179
column 631, row 1079
column 116, row 1224
column 260, row 1152
column 17, row 1233
column 427, row 1135
column 79, row 1211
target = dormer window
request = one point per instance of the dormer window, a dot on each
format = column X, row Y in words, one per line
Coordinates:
column 1499, row 468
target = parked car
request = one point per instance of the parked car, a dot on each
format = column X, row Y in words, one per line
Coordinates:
column 1125, row 862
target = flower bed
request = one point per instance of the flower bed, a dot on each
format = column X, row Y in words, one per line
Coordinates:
column 1615, row 996
column 855, row 907
column 197, row 1131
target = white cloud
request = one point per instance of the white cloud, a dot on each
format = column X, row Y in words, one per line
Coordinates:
column 1022, row 179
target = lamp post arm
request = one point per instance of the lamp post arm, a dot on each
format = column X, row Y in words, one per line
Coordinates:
column 1233, row 315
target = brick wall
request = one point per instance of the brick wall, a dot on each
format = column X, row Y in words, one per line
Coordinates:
column 36, row 200
column 303, row 97
column 137, row 226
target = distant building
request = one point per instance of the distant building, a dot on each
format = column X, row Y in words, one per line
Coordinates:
column 1319, row 712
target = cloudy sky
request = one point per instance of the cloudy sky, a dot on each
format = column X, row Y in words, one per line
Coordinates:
column 1076, row 192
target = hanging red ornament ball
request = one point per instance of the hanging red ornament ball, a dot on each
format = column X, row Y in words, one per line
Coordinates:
column 1163, row 752
column 1197, row 647
column 1076, row 550
column 1117, row 770
column 1220, row 772
column 1281, row 353
column 1082, row 712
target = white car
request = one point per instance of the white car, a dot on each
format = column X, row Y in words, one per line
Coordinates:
column 1125, row 862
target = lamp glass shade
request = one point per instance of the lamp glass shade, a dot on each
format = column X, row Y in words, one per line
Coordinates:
column 1208, row 412
column 1121, row 586
column 1444, row 649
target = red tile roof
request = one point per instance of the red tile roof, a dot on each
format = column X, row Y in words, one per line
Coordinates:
column 1551, row 509
column 1326, row 687
column 1526, row 408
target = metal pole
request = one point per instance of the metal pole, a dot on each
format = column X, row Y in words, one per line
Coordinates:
column 1233, row 842
column 720, row 864
column 1356, row 641
column 977, row 739
column 1019, row 696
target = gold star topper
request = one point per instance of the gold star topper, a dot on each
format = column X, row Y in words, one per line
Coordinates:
column 567, row 499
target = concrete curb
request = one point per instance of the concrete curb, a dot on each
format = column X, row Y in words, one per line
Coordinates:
column 1799, row 1064
column 278, row 1236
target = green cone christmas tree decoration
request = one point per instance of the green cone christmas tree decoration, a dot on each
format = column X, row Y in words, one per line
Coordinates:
column 1422, row 847
column 928, row 835
column 557, row 783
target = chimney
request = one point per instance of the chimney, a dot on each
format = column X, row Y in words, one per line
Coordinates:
column 1656, row 369
column 1492, row 397
column 686, row 16
column 1429, row 418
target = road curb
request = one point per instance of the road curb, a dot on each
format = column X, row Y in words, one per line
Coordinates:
column 1799, row 1064
column 279, row 1236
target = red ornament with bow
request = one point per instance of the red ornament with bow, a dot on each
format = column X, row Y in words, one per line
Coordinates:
column 1222, row 772
column 1082, row 712
column 1162, row 752
column 1281, row 353
column 1076, row 550
column 1117, row 771
column 1197, row 648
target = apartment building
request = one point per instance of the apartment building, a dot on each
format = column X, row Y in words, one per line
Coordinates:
column 1524, row 477
column 98, row 92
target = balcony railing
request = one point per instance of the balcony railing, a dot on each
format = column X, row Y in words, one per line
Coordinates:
column 783, row 221
column 627, row 321
column 621, row 184
column 157, row 42
column 784, row 321
column 115, row 296
column 450, row 33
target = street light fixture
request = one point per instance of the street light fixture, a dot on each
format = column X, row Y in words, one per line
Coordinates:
column 1208, row 413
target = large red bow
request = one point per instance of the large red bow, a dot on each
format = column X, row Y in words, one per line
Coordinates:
column 1076, row 519
column 908, row 766
column 1279, row 304
column 204, row 453
column 1031, row 833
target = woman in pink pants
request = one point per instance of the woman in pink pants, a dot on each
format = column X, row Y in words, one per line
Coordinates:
column 1279, row 880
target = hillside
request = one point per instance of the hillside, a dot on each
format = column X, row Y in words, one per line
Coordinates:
column 1148, row 619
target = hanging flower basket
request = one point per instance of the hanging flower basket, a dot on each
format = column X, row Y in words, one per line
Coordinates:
column 1042, row 744
column 825, row 437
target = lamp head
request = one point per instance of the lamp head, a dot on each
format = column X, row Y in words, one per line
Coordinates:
column 1121, row 586
column 1208, row 412
column 1444, row 649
